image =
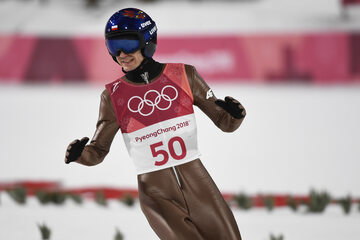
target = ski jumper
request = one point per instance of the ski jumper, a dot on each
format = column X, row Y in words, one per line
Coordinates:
column 177, row 195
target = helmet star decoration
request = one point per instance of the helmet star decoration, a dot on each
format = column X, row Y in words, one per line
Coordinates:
column 133, row 14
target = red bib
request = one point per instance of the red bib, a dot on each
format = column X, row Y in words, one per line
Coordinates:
column 157, row 119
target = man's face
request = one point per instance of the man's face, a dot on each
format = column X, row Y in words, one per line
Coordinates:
column 130, row 61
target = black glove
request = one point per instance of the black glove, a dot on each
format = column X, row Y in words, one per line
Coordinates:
column 75, row 149
column 232, row 106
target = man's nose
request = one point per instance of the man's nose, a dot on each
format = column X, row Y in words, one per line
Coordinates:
column 122, row 54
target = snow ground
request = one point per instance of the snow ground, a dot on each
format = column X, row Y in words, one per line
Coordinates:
column 92, row 222
column 294, row 138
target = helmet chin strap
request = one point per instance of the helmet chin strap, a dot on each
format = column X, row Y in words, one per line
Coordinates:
column 149, row 49
column 114, row 58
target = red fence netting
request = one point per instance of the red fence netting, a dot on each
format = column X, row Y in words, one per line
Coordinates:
column 322, row 58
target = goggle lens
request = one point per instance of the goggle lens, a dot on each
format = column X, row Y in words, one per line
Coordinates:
column 115, row 46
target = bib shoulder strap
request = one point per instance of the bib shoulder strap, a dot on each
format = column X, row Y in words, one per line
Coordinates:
column 176, row 72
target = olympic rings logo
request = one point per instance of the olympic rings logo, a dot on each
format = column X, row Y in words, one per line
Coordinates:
column 152, row 104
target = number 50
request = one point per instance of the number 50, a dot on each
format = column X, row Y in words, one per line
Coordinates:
column 172, row 152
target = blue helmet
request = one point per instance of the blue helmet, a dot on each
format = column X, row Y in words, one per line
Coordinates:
column 129, row 30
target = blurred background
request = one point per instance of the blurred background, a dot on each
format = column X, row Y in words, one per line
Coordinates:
column 294, row 65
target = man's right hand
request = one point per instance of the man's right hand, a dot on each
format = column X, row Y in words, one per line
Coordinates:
column 75, row 149
column 232, row 106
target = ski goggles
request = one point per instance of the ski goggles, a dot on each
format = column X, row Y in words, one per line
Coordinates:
column 123, row 43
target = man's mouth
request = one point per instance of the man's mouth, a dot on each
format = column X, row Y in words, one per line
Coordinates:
column 127, row 61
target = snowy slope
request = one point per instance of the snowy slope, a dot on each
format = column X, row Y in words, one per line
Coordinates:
column 90, row 221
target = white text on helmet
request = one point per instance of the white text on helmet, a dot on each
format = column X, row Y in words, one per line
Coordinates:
column 147, row 23
column 153, row 30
